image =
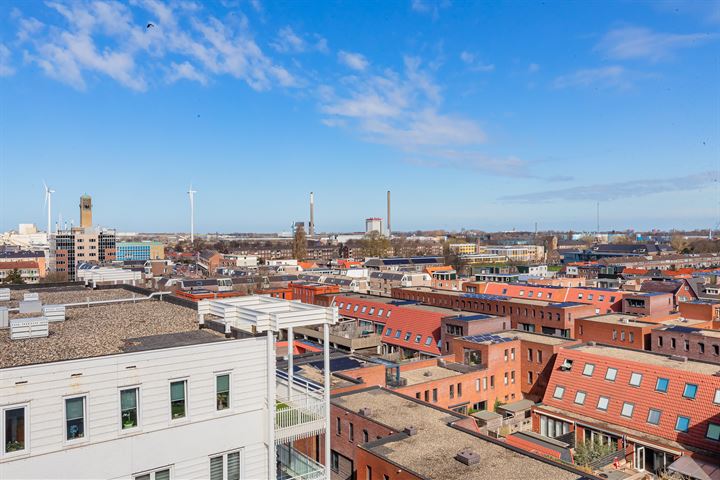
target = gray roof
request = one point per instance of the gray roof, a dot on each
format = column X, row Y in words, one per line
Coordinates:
column 518, row 406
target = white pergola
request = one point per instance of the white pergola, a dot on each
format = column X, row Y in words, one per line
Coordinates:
column 260, row 313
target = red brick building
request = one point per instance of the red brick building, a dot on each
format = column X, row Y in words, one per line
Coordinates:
column 653, row 408
column 307, row 291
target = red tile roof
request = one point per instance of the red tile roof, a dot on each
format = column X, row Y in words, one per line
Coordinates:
column 18, row 265
column 701, row 410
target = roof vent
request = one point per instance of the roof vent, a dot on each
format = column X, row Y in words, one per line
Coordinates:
column 30, row 306
column 365, row 412
column 410, row 431
column 22, row 328
column 54, row 313
column 31, row 297
column 467, row 457
column 566, row 365
column 442, row 362
column 4, row 294
column 427, row 374
column 679, row 358
column 4, row 322
column 591, row 344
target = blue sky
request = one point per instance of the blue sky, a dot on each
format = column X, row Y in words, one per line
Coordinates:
column 475, row 114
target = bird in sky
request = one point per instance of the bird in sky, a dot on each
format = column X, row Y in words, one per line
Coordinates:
column 150, row 25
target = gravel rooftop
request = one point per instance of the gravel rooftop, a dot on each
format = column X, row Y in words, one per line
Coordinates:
column 102, row 329
column 417, row 376
column 651, row 358
column 431, row 451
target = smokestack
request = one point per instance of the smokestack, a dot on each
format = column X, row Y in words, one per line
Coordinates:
column 388, row 214
column 312, row 214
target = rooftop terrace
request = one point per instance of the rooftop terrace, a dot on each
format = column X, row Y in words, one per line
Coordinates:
column 104, row 329
column 430, row 453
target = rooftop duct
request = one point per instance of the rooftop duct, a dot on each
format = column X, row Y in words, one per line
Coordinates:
column 467, row 457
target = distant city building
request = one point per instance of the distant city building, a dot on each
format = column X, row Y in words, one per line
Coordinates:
column 373, row 224
column 29, row 270
column 462, row 248
column 15, row 256
column 85, row 211
column 146, row 250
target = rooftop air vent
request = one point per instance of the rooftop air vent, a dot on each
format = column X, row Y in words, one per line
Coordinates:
column 427, row 374
column 467, row 457
column 4, row 294
column 22, row 328
column 31, row 297
column 591, row 344
column 679, row 358
column 4, row 322
column 54, row 313
column 365, row 412
column 410, row 431
column 30, row 306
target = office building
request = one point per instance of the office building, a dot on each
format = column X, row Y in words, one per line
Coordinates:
column 135, row 251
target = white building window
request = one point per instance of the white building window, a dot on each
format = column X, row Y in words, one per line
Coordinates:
column 227, row 466
column 75, row 412
column 13, row 432
column 611, row 374
column 178, row 403
column 589, row 369
column 159, row 474
column 635, row 379
column 129, row 417
column 627, row 409
column 580, row 398
column 603, row 403
column 559, row 392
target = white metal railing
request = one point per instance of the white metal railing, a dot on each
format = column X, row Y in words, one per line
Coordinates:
column 300, row 416
column 300, row 384
column 293, row 465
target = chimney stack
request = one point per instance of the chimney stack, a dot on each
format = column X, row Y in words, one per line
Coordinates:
column 312, row 214
column 389, row 230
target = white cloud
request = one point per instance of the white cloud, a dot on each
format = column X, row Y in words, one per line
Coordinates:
column 429, row 7
column 533, row 68
column 618, row 190
column 642, row 43
column 355, row 61
column 287, row 41
column 185, row 71
column 6, row 68
column 474, row 64
column 613, row 76
column 108, row 38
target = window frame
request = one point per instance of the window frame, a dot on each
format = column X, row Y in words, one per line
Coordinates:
column 607, row 403
column 695, row 392
column 614, row 377
column 137, row 407
column 86, row 432
column 632, row 376
column 584, row 397
column 707, row 432
column 224, row 455
column 667, row 384
column 229, row 391
column 632, row 409
column 585, row 368
column 151, row 473
column 26, row 431
column 186, row 387
column 562, row 393
column 659, row 417
column 677, row 422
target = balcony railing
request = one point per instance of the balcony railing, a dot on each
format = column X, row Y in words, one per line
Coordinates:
column 293, row 465
column 299, row 413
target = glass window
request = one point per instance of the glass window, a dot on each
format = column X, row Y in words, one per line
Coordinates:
column 428, row 341
column 611, row 374
column 387, row 315
column 627, row 409
column 713, row 431
column 14, row 429
column 163, row 474
column 635, row 379
column 662, row 384
column 559, row 392
column 364, row 309
column 418, row 337
column 397, row 333
column 682, row 424
column 129, row 408
column 580, row 398
column 225, row 467
column 372, row 310
column 177, row 399
column 654, row 416
column 388, row 332
column 690, row 391
column 222, row 391
column 717, row 396
column 348, row 306
column 407, row 336
column 356, row 308
column 589, row 369
column 342, row 304
column 380, row 312
column 603, row 403
column 74, row 418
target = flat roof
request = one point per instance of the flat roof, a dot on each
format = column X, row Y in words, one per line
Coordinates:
column 105, row 329
column 427, row 374
column 618, row 319
column 488, row 296
column 695, row 331
column 395, row 302
column 431, row 451
column 536, row 337
column 650, row 358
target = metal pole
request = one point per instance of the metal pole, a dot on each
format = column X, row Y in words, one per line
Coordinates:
column 291, row 348
column 272, row 474
column 326, row 378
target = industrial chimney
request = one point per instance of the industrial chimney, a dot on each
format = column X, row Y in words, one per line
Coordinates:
column 389, row 231
column 312, row 214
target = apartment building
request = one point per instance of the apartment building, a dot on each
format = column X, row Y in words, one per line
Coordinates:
column 95, row 394
column 382, row 282
column 307, row 291
column 699, row 344
column 135, row 251
column 616, row 329
column 652, row 408
column 69, row 248
column 383, row 435
column 542, row 316
column 29, row 270
column 25, row 256
column 515, row 253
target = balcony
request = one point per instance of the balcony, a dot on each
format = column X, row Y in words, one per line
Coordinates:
column 293, row 465
column 300, row 412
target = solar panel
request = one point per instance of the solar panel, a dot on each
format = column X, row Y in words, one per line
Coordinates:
column 338, row 364
column 681, row 329
column 487, row 337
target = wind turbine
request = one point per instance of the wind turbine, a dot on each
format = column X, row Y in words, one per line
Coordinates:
column 191, row 193
column 48, row 203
